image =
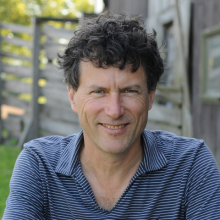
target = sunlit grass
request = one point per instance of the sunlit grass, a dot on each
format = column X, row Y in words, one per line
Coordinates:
column 8, row 157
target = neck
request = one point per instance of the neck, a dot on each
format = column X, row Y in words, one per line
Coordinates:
column 110, row 167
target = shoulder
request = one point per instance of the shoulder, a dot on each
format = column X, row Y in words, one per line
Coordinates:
column 178, row 148
column 48, row 149
column 187, row 157
column 167, row 140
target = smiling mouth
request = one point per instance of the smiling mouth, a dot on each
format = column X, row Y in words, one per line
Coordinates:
column 114, row 127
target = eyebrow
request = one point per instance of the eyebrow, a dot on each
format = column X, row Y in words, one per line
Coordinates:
column 133, row 86
column 96, row 87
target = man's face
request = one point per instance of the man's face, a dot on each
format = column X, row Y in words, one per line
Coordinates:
column 112, row 105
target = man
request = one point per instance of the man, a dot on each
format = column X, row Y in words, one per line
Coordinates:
column 114, row 169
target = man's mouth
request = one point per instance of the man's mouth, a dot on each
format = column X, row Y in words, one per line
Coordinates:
column 114, row 127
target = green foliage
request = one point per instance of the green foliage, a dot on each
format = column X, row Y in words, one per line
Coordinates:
column 10, row 141
column 8, row 157
column 16, row 10
column 4, row 133
column 20, row 11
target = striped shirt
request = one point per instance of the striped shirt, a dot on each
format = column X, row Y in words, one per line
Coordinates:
column 177, row 179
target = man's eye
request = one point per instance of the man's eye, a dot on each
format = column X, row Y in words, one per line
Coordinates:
column 98, row 91
column 130, row 91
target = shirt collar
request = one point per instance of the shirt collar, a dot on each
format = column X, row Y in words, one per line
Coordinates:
column 69, row 156
column 153, row 158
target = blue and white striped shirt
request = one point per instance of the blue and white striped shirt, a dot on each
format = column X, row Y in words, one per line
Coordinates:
column 177, row 179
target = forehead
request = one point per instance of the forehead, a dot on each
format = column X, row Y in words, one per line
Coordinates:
column 89, row 74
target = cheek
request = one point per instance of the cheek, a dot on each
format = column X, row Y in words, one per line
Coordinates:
column 137, row 105
column 89, row 108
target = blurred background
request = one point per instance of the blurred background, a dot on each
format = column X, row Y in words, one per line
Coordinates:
column 33, row 97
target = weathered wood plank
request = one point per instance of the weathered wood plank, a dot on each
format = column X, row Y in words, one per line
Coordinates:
column 158, row 126
column 16, row 86
column 13, row 120
column 13, row 125
column 50, row 42
column 15, row 102
column 58, row 127
column 59, row 112
column 55, row 97
column 45, row 19
column 44, row 133
column 53, row 50
column 57, row 33
column 216, row 13
column 55, row 93
column 186, row 106
column 34, row 133
column 206, row 123
column 51, row 73
column 172, row 96
column 129, row 6
column 166, row 16
column 15, row 56
column 163, row 114
column 196, row 51
column 17, row 28
column 17, row 41
column 25, row 133
column 167, row 88
column 20, row 71
column 13, row 133
column 56, row 85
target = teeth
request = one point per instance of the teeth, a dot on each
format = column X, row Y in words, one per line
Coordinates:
column 113, row 127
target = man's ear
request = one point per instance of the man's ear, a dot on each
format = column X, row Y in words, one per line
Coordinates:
column 72, row 98
column 151, row 99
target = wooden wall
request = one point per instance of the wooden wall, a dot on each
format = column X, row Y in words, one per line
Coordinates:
column 165, row 17
column 15, row 76
column 128, row 6
column 56, row 116
column 53, row 116
column 206, row 117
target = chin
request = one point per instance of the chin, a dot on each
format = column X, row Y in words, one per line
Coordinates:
column 115, row 148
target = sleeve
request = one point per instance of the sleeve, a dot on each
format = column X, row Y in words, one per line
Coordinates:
column 25, row 200
column 203, row 187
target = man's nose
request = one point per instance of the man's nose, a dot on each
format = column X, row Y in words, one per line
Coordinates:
column 114, row 107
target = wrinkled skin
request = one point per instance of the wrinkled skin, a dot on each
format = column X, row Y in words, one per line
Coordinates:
column 112, row 97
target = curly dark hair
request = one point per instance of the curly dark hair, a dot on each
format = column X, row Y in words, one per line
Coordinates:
column 112, row 40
